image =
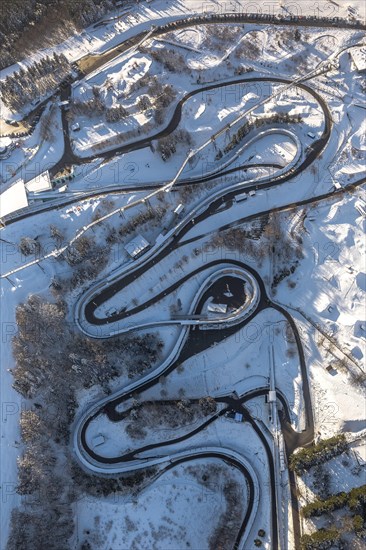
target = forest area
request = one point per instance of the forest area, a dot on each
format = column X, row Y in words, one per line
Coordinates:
column 26, row 25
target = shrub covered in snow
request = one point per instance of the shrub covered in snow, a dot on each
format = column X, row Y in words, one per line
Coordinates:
column 324, row 450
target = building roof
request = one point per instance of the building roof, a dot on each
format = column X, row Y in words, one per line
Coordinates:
column 179, row 209
column 136, row 246
column 13, row 199
column 359, row 58
column 5, row 142
column 39, row 183
column 272, row 396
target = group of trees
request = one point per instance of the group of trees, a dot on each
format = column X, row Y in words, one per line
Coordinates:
column 157, row 97
column 98, row 486
column 95, row 106
column 54, row 360
column 25, row 24
column 237, row 239
column 171, row 60
column 53, row 363
column 319, row 453
column 267, row 236
column 321, row 540
column 223, row 32
column 230, row 521
column 288, row 36
column 87, row 257
column 150, row 214
column 115, row 114
column 144, row 103
column 243, row 131
column 170, row 414
column 33, row 82
column 250, row 48
column 160, row 96
column 47, row 125
column 162, row 102
column 354, row 499
column 208, row 405
column 286, row 247
column 49, row 525
column 167, row 146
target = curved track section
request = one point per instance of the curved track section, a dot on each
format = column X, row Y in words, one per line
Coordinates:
column 90, row 324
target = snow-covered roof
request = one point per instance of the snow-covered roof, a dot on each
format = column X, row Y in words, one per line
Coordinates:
column 359, row 58
column 272, row 396
column 136, row 246
column 5, row 142
column 13, row 198
column 39, row 183
column 179, row 209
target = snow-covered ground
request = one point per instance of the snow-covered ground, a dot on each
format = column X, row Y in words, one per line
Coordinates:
column 334, row 245
column 325, row 294
column 179, row 509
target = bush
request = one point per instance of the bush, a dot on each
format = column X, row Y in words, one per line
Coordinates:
column 167, row 146
column 355, row 499
column 114, row 114
column 324, row 450
column 318, row 507
column 358, row 522
column 243, row 131
column 208, row 405
column 29, row 246
column 323, row 539
column 170, row 59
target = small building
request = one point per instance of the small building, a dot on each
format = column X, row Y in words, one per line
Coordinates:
column 241, row 197
column 98, row 440
column 331, row 370
column 13, row 199
column 252, row 193
column 179, row 209
column 63, row 103
column 75, row 127
column 358, row 56
column 272, row 396
column 217, row 308
column 137, row 246
column 40, row 183
column 238, row 417
column 6, row 147
column 360, row 207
